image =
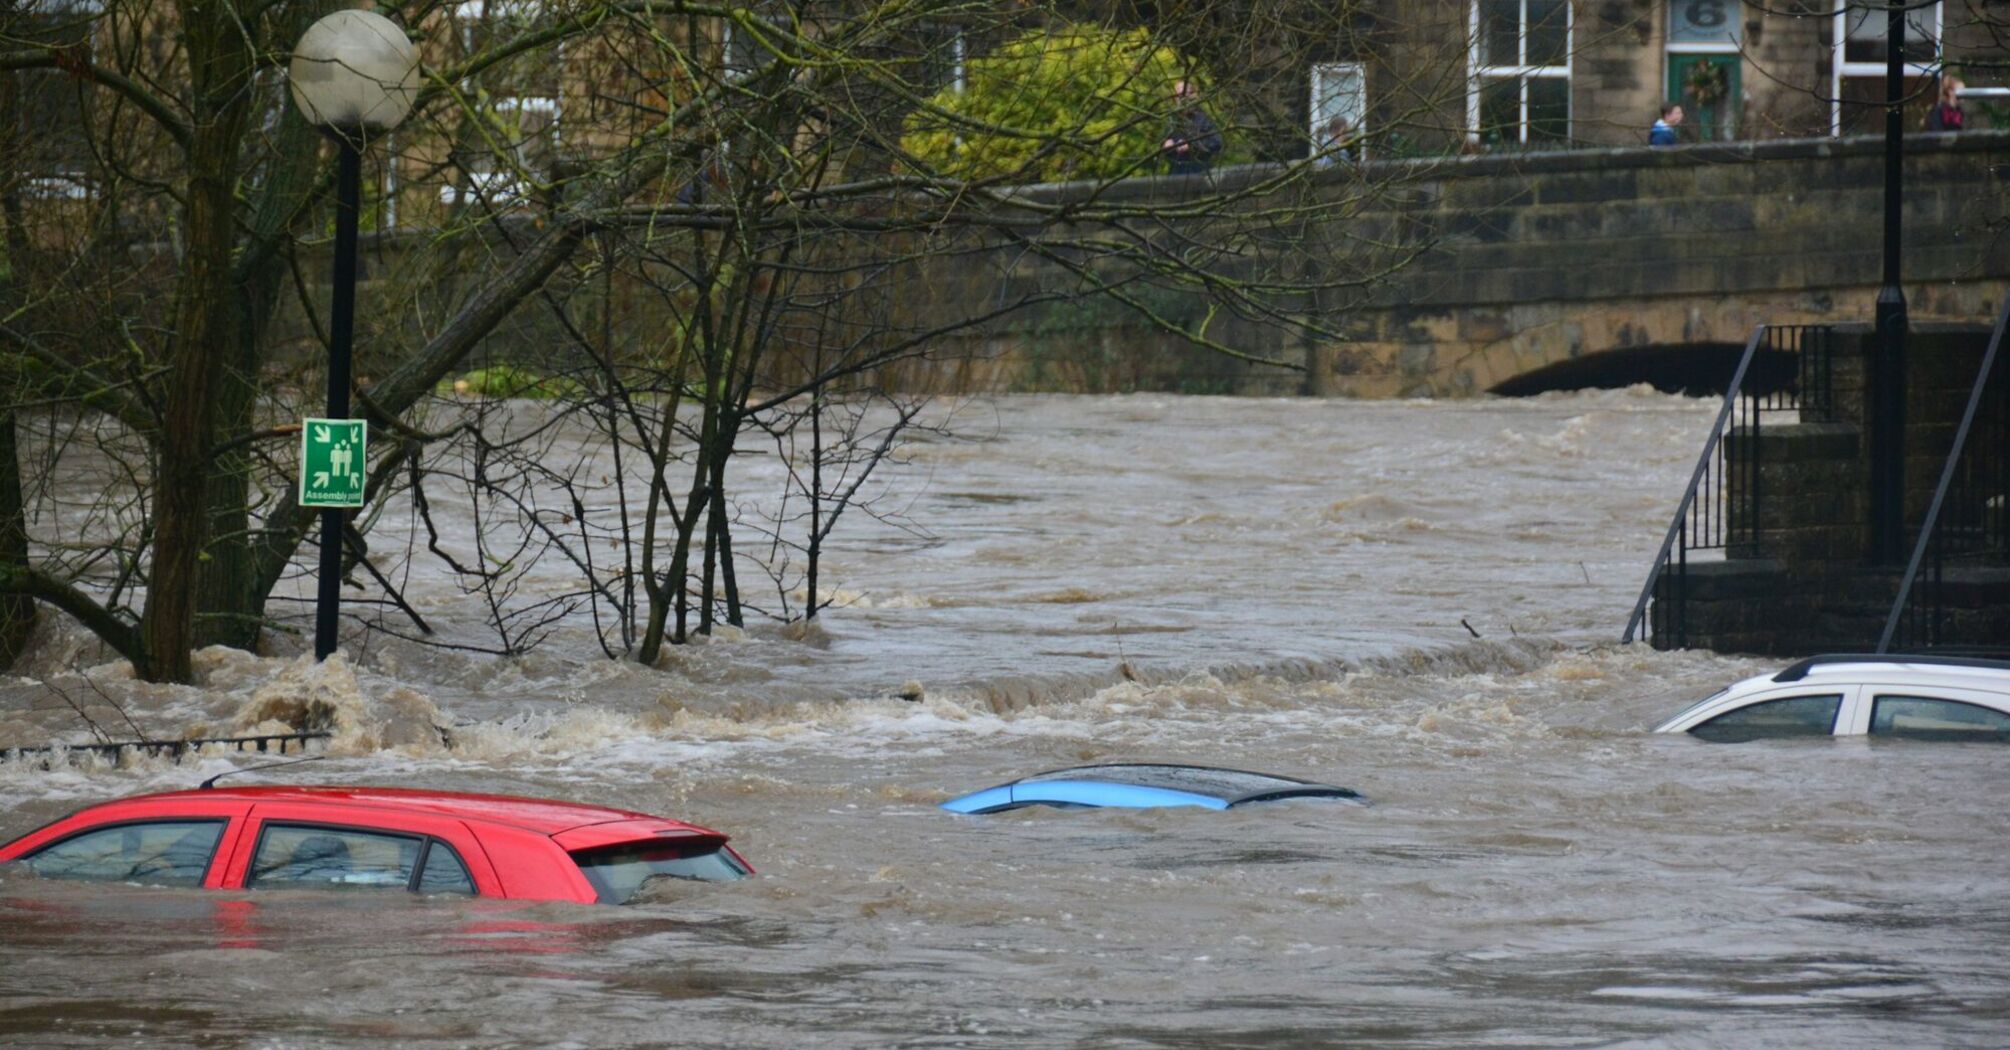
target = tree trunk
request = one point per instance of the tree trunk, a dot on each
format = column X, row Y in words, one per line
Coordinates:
column 230, row 605
column 680, row 558
column 17, row 611
column 220, row 68
column 816, row 541
column 657, row 591
column 730, row 427
column 227, row 607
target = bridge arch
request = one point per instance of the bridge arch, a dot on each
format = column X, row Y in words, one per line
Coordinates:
column 1695, row 369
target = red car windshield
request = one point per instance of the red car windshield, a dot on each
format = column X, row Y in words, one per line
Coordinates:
column 622, row 872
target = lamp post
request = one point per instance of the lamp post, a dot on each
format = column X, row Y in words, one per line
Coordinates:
column 354, row 75
column 1887, row 449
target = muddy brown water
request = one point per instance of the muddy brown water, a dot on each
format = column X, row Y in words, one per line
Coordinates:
column 1285, row 580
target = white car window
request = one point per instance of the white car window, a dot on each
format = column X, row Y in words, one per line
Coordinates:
column 1934, row 718
column 1789, row 716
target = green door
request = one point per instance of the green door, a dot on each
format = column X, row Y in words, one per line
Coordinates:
column 1707, row 86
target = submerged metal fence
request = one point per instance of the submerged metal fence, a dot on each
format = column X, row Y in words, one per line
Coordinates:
column 263, row 743
column 1785, row 368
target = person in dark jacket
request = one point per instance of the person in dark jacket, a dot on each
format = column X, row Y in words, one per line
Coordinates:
column 1192, row 141
column 1946, row 113
column 1663, row 132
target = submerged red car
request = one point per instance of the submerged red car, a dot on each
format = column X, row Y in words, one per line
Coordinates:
column 377, row 838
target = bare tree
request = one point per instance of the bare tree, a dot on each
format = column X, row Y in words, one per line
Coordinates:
column 697, row 223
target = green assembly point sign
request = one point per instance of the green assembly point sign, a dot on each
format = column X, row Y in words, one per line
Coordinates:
column 331, row 462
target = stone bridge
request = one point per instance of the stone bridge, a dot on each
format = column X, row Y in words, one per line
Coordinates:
column 1590, row 267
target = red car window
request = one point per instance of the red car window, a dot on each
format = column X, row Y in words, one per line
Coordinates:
column 355, row 846
column 321, row 857
column 222, row 814
column 161, row 853
column 443, row 872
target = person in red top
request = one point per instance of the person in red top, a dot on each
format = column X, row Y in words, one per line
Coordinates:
column 1946, row 113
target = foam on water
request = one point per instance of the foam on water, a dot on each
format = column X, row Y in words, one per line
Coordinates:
column 1415, row 600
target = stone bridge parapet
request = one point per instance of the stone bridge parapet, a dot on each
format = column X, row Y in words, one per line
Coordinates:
column 1542, row 260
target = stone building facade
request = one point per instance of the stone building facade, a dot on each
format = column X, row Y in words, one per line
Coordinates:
column 1553, row 73
column 1414, row 77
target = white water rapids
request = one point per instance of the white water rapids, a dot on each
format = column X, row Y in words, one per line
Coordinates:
column 1284, row 582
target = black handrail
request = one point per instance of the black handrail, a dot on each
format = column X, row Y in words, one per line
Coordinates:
column 1722, row 510
column 1678, row 527
column 1928, row 530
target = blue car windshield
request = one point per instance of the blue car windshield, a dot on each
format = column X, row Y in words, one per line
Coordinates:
column 1225, row 784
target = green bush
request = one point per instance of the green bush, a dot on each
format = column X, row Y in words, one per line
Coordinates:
column 503, row 381
column 1073, row 102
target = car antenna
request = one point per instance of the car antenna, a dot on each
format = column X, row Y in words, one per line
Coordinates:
column 211, row 782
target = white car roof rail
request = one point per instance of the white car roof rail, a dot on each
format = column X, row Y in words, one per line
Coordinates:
column 1800, row 670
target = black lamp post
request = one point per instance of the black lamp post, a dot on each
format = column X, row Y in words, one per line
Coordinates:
column 354, row 75
column 1887, row 451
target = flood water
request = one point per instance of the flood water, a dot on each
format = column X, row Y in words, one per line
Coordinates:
column 1277, row 585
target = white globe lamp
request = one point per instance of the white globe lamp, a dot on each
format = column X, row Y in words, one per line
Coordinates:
column 354, row 74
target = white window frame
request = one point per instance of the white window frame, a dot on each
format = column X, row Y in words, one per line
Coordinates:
column 1477, row 75
column 546, row 104
column 1839, row 69
column 502, row 185
column 61, row 185
column 388, row 213
column 500, row 189
column 471, row 12
column 480, row 9
column 1359, row 125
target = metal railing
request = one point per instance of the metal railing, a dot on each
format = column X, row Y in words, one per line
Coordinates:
column 1967, row 526
column 1785, row 368
column 264, row 743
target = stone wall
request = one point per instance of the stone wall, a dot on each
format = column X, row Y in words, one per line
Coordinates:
column 1527, row 262
column 1541, row 258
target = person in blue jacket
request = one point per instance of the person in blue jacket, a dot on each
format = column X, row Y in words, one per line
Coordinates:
column 1663, row 133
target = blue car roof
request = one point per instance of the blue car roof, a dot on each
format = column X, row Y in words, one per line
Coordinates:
column 1144, row 785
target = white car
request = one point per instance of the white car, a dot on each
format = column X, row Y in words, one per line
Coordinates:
column 1915, row 697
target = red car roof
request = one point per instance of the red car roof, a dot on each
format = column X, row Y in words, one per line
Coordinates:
column 545, row 816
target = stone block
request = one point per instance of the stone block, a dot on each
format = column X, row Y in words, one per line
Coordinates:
column 1415, row 361
column 1799, row 443
column 1485, row 227
column 1486, row 194
column 1717, row 581
column 1588, row 187
column 1561, row 224
column 1483, row 326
